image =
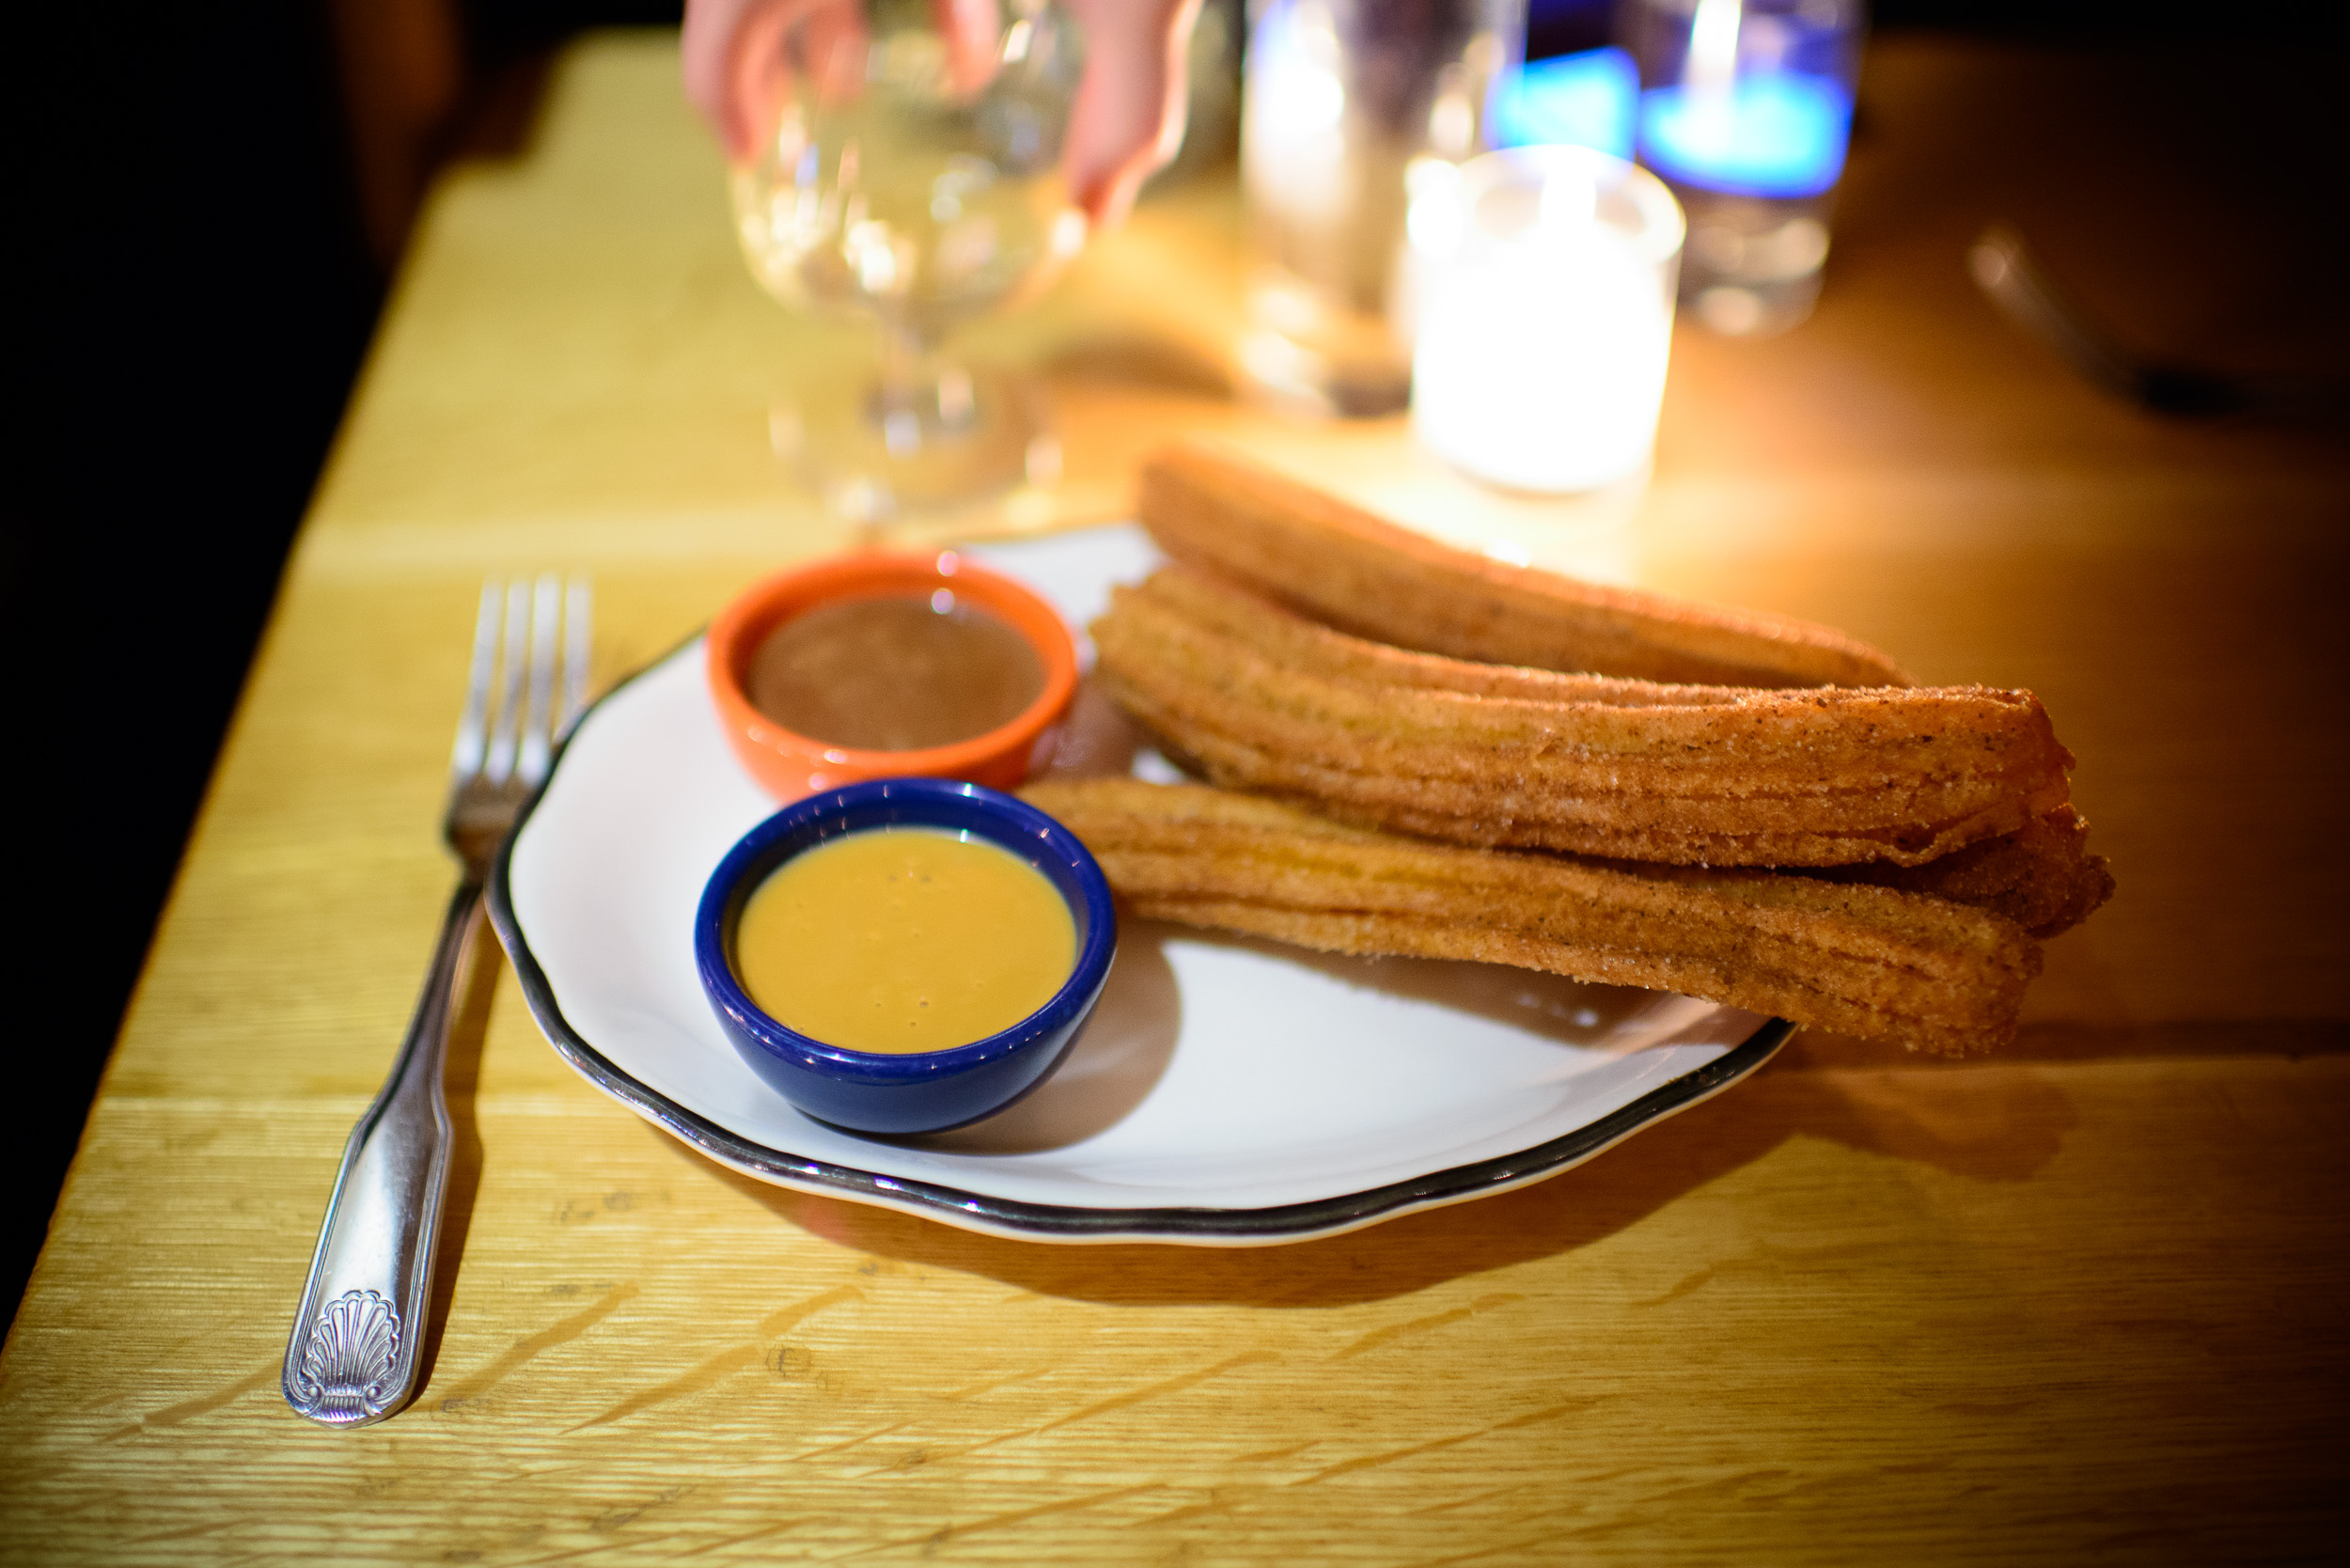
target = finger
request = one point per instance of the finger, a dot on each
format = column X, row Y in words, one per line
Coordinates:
column 974, row 33
column 707, row 53
column 736, row 68
column 1128, row 117
column 827, row 48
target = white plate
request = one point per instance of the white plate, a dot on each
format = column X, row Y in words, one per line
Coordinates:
column 1230, row 1092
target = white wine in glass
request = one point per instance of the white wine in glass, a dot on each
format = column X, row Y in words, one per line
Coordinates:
column 913, row 178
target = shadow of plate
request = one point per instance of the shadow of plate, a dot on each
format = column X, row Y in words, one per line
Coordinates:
column 1111, row 1070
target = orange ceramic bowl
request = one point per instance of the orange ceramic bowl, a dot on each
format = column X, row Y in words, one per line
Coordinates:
column 792, row 765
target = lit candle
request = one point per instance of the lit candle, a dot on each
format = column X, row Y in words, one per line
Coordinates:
column 1584, row 99
column 1746, row 126
column 1777, row 135
column 1545, row 317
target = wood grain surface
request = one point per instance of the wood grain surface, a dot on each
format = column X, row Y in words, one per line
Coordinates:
column 2078, row 1303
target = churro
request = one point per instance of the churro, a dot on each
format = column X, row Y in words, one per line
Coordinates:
column 1339, row 564
column 2042, row 877
column 1869, row 961
column 1495, row 755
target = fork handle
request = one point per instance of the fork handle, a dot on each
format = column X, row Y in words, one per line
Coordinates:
column 352, row 1358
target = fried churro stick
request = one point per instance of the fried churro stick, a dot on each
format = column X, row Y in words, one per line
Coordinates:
column 1494, row 755
column 2041, row 877
column 1874, row 962
column 1336, row 563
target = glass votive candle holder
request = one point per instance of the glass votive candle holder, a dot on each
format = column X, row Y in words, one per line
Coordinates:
column 1546, row 317
column 1745, row 110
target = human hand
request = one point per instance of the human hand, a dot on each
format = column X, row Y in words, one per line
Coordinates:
column 1127, row 119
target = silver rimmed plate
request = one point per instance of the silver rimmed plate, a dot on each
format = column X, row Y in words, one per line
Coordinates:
column 1230, row 1092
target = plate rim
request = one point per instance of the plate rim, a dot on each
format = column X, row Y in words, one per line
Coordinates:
column 1022, row 1219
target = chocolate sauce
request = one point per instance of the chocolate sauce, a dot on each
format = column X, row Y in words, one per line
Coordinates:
column 894, row 674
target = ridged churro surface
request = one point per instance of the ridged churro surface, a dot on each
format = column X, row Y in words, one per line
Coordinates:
column 1490, row 755
column 1869, row 961
column 1336, row 563
column 2042, row 877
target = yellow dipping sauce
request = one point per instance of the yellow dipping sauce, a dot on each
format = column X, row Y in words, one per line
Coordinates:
column 904, row 940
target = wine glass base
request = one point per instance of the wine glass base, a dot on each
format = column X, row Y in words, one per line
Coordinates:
column 970, row 445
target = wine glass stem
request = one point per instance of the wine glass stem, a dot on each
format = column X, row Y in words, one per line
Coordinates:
column 923, row 399
column 906, row 364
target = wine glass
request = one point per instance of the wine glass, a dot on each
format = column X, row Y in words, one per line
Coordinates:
column 912, row 177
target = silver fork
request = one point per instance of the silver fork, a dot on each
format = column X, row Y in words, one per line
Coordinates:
column 353, row 1358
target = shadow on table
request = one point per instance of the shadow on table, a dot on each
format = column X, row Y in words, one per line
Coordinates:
column 1142, row 363
column 459, row 1081
column 1993, row 1125
column 2054, row 1042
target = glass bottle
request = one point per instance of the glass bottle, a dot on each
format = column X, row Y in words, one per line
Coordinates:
column 1342, row 101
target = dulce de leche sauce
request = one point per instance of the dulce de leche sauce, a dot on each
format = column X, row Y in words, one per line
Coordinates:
column 894, row 673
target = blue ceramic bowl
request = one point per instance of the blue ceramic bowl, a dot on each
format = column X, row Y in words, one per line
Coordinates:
column 923, row 1092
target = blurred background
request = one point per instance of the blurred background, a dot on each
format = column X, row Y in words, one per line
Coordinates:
column 220, row 197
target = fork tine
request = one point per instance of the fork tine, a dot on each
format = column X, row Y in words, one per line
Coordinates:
column 505, row 729
column 546, row 606
column 576, row 616
column 473, row 729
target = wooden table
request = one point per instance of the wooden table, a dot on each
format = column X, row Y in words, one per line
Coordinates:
column 2078, row 1301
